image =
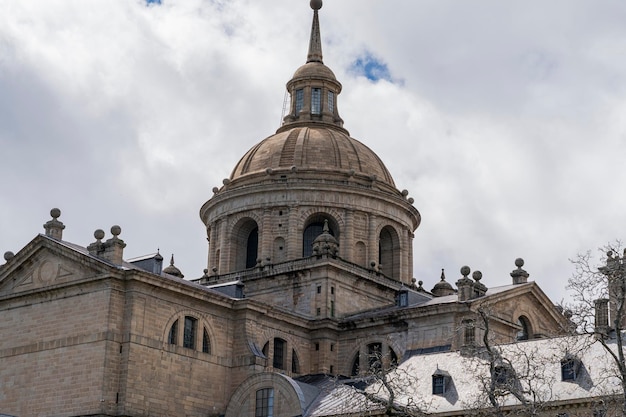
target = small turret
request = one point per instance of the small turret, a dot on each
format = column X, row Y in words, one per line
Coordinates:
column 172, row 270
column 442, row 288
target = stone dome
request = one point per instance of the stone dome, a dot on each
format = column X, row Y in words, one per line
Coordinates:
column 319, row 149
column 314, row 70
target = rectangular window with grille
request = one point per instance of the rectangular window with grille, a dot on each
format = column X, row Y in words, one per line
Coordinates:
column 264, row 403
column 439, row 384
column 299, row 100
column 569, row 369
column 331, row 102
column 316, row 101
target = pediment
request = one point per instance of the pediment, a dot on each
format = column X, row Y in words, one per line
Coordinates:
column 530, row 301
column 43, row 265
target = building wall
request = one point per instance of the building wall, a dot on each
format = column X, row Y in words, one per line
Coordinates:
column 57, row 351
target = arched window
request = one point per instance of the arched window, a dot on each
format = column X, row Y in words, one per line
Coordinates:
column 314, row 228
column 189, row 335
column 524, row 333
column 393, row 358
column 245, row 244
column 295, row 363
column 376, row 358
column 279, row 353
column 186, row 330
column 173, row 334
column 252, row 248
column 374, row 355
column 389, row 252
column 356, row 364
column 206, row 342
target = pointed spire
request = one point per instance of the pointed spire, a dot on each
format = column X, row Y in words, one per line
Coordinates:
column 315, row 44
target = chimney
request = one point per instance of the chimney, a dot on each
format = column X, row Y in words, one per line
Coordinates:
column 112, row 250
column 114, row 247
column 54, row 228
column 465, row 284
column 519, row 275
column 480, row 289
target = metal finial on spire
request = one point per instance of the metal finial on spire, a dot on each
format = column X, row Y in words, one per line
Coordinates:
column 315, row 44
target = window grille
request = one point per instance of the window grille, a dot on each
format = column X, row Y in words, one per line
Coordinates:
column 331, row 102
column 439, row 384
column 316, row 101
column 189, row 336
column 279, row 354
column 569, row 368
column 264, row 403
column 299, row 101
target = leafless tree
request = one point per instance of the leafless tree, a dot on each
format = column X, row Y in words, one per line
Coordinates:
column 512, row 378
column 599, row 306
column 384, row 389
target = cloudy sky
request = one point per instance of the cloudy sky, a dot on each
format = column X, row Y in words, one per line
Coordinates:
column 506, row 121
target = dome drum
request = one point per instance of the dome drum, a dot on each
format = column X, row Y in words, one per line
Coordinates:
column 309, row 178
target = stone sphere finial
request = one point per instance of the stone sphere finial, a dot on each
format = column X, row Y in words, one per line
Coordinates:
column 8, row 255
column 477, row 275
column 519, row 262
column 55, row 213
column 98, row 234
column 116, row 230
column 316, row 4
column 465, row 270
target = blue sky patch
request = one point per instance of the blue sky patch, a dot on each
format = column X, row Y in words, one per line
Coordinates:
column 153, row 1
column 371, row 68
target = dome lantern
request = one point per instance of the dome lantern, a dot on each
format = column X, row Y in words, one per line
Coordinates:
column 313, row 88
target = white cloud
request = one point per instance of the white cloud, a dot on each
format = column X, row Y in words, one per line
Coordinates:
column 505, row 123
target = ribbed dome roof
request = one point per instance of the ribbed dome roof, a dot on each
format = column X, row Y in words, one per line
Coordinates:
column 319, row 149
column 314, row 70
